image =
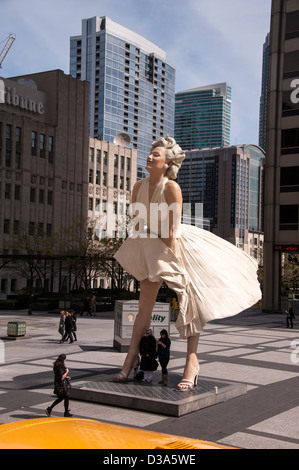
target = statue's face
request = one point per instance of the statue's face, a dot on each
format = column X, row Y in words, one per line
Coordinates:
column 156, row 159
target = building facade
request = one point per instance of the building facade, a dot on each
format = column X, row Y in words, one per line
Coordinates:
column 112, row 175
column 227, row 182
column 203, row 117
column 43, row 161
column 52, row 173
column 282, row 146
column 132, row 85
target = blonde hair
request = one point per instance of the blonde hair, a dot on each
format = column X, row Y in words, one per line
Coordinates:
column 173, row 153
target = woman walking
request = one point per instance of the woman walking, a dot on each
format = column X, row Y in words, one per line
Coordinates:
column 61, row 379
column 68, row 328
column 61, row 327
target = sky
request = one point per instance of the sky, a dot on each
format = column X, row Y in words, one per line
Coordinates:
column 207, row 41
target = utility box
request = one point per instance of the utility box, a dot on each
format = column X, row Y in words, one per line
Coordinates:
column 125, row 312
column 16, row 328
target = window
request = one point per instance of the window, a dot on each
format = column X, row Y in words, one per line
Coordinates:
column 18, row 161
column 7, row 191
column 31, row 228
column 289, row 217
column 290, row 141
column 17, row 192
column 18, row 135
column 41, row 196
column 105, row 158
column 91, row 176
column 50, row 198
column 42, row 141
column 51, row 149
column 115, row 161
column 90, row 204
column 32, row 194
column 33, row 142
column 8, row 158
column 98, row 156
column 115, row 181
column 128, row 164
column 16, row 227
column 291, row 64
column 13, row 285
column 104, row 179
column 49, row 229
column 98, row 175
column 6, row 225
column 288, row 107
column 292, row 25
column 8, row 132
column 3, row 286
column 91, row 155
column 289, row 179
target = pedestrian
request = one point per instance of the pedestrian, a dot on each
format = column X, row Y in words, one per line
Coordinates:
column 68, row 328
column 86, row 307
column 164, row 355
column 74, row 320
column 61, row 384
column 148, row 354
column 93, row 306
column 30, row 303
column 290, row 315
column 61, row 327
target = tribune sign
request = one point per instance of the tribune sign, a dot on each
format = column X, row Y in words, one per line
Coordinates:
column 22, row 94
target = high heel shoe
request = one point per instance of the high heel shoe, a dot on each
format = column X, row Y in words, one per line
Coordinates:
column 186, row 385
column 121, row 377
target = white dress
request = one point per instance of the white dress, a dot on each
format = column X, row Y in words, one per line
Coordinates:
column 212, row 278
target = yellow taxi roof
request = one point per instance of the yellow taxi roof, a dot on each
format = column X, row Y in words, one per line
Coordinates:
column 76, row 433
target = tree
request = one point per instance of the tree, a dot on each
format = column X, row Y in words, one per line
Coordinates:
column 89, row 257
column 38, row 247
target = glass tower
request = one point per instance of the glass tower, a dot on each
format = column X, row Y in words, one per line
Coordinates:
column 228, row 182
column 264, row 93
column 132, row 86
column 203, row 117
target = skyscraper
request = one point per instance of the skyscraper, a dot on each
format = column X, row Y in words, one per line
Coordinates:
column 203, row 117
column 282, row 162
column 132, row 86
column 227, row 181
column 264, row 92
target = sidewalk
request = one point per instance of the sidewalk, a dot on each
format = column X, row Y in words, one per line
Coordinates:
column 251, row 348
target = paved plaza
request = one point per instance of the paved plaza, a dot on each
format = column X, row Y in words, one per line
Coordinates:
column 253, row 348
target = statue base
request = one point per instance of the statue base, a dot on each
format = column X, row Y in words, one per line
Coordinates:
column 154, row 397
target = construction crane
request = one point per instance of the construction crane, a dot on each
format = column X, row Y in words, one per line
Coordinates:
column 6, row 47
